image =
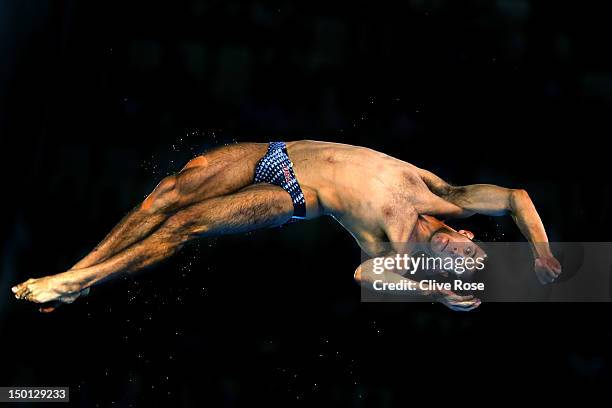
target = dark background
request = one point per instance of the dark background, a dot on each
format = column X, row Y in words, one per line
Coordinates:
column 100, row 100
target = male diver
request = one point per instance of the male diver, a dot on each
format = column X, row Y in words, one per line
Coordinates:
column 382, row 201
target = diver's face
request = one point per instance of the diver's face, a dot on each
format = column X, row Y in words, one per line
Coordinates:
column 446, row 242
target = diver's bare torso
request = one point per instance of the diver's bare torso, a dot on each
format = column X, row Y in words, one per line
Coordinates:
column 363, row 189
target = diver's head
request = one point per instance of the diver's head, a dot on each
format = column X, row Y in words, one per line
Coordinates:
column 445, row 242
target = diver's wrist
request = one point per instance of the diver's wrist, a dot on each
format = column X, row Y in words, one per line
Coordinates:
column 542, row 250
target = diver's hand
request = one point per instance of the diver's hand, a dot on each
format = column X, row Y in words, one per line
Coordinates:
column 547, row 269
column 456, row 302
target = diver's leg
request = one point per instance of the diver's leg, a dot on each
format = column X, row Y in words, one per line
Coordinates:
column 221, row 171
column 252, row 208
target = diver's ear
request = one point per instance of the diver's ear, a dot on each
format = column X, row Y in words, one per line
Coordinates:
column 468, row 234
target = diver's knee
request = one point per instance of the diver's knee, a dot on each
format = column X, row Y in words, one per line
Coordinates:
column 199, row 161
column 164, row 197
column 357, row 275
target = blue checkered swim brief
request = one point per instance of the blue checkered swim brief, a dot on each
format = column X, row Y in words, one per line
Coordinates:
column 276, row 168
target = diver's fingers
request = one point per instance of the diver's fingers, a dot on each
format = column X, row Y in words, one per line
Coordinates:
column 541, row 278
column 465, row 308
column 465, row 298
column 467, row 305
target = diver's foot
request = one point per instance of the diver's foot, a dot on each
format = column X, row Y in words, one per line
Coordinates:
column 55, row 288
column 66, row 300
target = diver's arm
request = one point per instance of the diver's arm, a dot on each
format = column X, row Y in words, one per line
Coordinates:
column 398, row 230
column 493, row 200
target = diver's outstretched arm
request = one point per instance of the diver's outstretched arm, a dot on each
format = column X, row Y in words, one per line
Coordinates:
column 493, row 200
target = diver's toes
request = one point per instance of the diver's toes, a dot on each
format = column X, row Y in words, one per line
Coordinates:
column 21, row 292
